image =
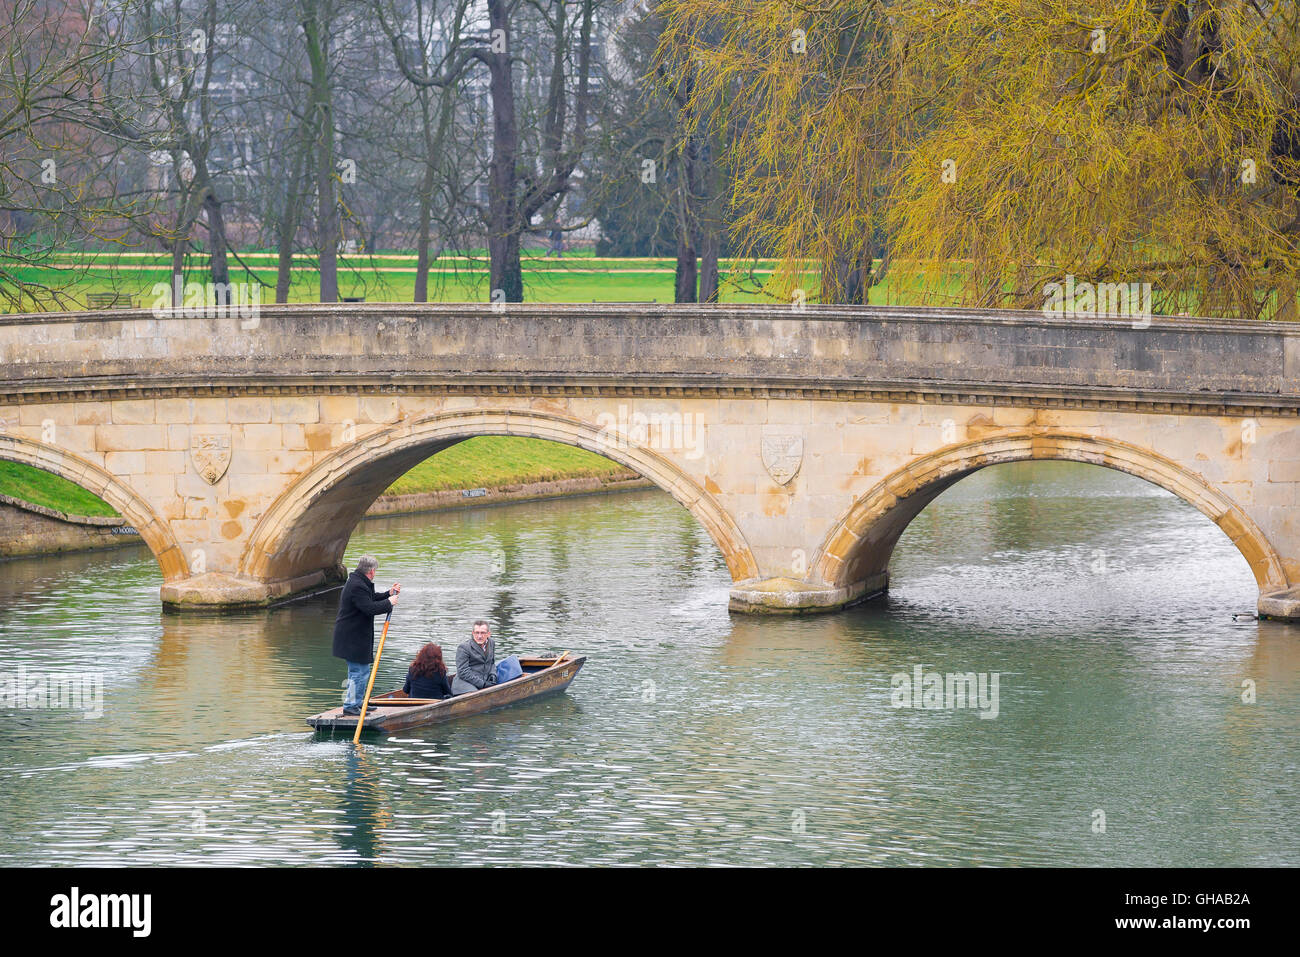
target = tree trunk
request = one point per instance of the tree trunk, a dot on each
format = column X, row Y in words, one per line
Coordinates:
column 289, row 229
column 217, row 265
column 178, row 260
column 710, row 226
column 422, row 241
column 843, row 279
column 327, row 212
column 505, row 273
column 708, row 266
column 684, row 280
column 327, row 223
column 684, row 284
column 426, row 205
column 1286, row 301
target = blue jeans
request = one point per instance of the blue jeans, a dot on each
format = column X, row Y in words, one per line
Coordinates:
column 358, row 676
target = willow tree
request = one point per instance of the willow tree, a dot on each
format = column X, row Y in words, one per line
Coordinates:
column 1116, row 141
column 805, row 95
column 1150, row 142
column 1005, row 145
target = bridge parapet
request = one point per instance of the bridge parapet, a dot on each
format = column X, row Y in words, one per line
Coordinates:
column 979, row 356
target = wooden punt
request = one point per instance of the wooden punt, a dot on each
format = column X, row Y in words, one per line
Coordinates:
column 396, row 710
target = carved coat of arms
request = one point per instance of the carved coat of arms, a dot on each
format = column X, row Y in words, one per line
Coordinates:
column 211, row 456
column 782, row 455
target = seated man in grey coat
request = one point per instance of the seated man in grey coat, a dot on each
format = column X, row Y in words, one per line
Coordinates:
column 475, row 661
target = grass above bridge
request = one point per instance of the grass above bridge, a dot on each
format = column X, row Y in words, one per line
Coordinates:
column 575, row 277
column 68, row 280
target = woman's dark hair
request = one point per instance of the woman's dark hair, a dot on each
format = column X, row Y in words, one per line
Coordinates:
column 428, row 663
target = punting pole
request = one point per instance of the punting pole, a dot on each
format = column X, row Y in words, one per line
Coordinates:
column 361, row 718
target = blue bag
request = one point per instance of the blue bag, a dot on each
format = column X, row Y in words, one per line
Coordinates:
column 509, row 669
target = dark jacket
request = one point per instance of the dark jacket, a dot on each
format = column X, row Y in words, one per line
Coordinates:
column 475, row 667
column 418, row 686
column 354, row 629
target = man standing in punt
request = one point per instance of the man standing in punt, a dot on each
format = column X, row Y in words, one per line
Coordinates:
column 354, row 629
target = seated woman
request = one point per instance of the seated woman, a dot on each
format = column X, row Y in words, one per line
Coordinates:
column 427, row 676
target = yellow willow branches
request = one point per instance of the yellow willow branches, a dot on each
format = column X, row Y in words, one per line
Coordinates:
column 988, row 148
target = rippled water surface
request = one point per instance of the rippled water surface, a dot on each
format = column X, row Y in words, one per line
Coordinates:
column 692, row 736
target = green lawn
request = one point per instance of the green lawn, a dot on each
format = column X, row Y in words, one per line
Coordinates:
column 577, row 277
column 487, row 460
column 501, row 460
column 44, row 488
column 389, row 276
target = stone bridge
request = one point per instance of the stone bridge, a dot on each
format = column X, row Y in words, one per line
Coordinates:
column 245, row 449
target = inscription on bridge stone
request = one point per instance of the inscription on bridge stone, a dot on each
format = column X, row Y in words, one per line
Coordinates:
column 210, row 454
column 782, row 455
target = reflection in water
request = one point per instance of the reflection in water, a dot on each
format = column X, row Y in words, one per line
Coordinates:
column 362, row 807
column 691, row 736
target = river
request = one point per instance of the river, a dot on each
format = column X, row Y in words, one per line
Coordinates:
column 1118, row 734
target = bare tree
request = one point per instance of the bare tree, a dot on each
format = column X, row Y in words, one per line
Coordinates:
column 432, row 55
column 183, row 46
column 67, row 144
column 317, row 29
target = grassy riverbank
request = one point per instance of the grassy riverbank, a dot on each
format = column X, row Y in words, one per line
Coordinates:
column 389, row 276
column 495, row 460
column 43, row 488
column 488, row 461
column 66, row 280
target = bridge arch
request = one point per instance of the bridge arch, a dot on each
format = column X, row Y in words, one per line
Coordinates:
column 306, row 530
column 861, row 542
column 155, row 532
